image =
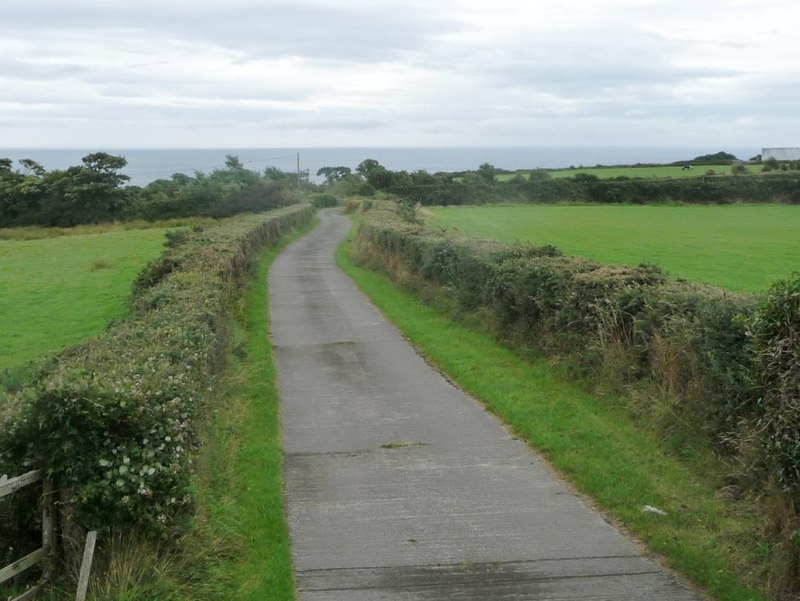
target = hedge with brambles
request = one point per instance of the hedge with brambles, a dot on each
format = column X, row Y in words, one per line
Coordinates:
column 112, row 421
column 701, row 363
column 538, row 297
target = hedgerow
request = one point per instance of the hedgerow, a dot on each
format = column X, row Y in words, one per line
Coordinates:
column 699, row 363
column 482, row 186
column 112, row 421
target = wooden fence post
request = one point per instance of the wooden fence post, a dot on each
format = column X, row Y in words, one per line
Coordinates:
column 86, row 566
column 48, row 529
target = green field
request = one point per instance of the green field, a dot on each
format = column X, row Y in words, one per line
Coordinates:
column 58, row 291
column 651, row 172
column 644, row 172
column 742, row 248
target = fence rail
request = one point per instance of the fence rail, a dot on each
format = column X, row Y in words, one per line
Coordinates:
column 42, row 555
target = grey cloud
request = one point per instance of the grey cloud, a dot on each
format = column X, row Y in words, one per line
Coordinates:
column 358, row 33
column 437, row 71
column 24, row 69
column 328, row 123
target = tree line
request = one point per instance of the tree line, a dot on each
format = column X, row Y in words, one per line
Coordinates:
column 484, row 185
column 96, row 191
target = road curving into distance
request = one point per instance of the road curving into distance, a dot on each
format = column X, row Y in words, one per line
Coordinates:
column 399, row 486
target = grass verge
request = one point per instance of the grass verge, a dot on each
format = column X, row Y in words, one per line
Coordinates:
column 592, row 441
column 241, row 514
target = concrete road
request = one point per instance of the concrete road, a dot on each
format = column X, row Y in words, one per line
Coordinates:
column 399, row 486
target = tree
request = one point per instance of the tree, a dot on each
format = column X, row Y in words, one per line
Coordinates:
column 89, row 193
column 380, row 178
column 539, row 175
column 333, row 175
column 32, row 166
column 233, row 163
column 366, row 166
column 488, row 172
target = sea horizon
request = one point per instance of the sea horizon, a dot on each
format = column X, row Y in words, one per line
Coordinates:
column 148, row 164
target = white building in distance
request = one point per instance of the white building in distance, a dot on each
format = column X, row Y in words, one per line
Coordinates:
column 780, row 154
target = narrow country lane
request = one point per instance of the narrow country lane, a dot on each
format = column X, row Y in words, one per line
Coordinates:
column 398, row 486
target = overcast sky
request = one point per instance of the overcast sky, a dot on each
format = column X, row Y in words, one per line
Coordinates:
column 240, row 73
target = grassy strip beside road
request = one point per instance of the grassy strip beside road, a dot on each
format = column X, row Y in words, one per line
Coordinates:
column 743, row 248
column 240, row 482
column 592, row 441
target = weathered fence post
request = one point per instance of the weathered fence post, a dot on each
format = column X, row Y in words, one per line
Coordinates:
column 86, row 566
column 48, row 529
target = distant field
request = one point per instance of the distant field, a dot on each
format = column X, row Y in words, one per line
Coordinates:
column 58, row 291
column 655, row 172
column 739, row 247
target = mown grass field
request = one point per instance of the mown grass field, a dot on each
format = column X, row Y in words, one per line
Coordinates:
column 650, row 172
column 742, row 248
column 644, row 172
column 58, row 291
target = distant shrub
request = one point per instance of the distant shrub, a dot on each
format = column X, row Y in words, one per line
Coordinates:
column 323, row 200
column 177, row 236
column 357, row 204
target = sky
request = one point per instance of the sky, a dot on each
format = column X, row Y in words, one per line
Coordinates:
column 313, row 73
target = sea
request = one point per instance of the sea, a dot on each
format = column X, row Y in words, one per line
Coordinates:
column 146, row 165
